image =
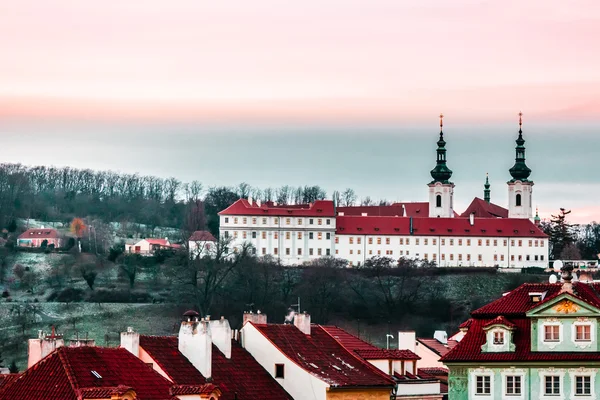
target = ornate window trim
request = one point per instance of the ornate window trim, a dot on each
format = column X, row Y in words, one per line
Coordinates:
column 561, row 333
column 573, row 372
column 514, row 372
column 560, row 372
column 582, row 344
column 473, row 374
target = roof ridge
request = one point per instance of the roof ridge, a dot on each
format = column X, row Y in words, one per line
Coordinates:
column 67, row 367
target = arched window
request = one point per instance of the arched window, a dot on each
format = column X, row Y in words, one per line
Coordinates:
column 438, row 200
column 518, row 200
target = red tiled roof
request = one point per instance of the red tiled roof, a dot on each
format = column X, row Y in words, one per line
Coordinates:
column 103, row 392
column 433, row 371
column 420, row 209
column 46, row 233
column 66, row 371
column 160, row 242
column 366, row 350
column 483, row 227
column 7, row 379
column 466, row 324
column 438, row 347
column 202, row 236
column 240, row 375
column 515, row 305
column 320, row 208
column 483, row 209
column 323, row 356
column 182, row 390
column 408, row 377
column 500, row 320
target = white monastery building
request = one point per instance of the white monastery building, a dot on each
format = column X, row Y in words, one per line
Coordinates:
column 485, row 235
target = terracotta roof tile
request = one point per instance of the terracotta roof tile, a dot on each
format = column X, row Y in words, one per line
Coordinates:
column 417, row 209
column 500, row 320
column 323, row 356
column 34, row 233
column 320, row 208
column 202, row 236
column 436, row 346
column 483, row 209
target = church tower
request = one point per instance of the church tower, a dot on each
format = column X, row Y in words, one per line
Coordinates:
column 520, row 187
column 486, row 190
column 441, row 190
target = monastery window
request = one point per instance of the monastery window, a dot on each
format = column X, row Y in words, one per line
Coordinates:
column 351, row 251
column 254, row 250
column 536, row 257
column 518, row 200
column 264, row 251
column 438, row 200
column 264, row 234
column 527, row 257
column 434, row 241
column 254, row 221
column 319, row 251
column 460, row 257
column 378, row 240
column 416, row 242
column 542, row 257
column 583, row 332
column 235, row 234
column 468, row 242
column 337, row 240
column 480, row 257
column 287, row 251
column 336, row 251
column 505, row 243
column 276, row 220
column 531, row 243
column 407, row 252
column 276, row 235
column 387, row 240
column 327, row 252
column 501, row 257
column 407, row 241
column 350, row 263
column 320, row 221
column 310, row 235
column 378, row 252
column 451, row 242
column 358, row 240
column 351, row 240
column 520, row 243
column 495, row 257
column 520, row 258
column 319, row 235
column 299, row 251
column 443, row 257
column 479, row 242
column 499, row 337
column 243, row 234
column 434, row 256
column 552, row 385
column 288, row 221
column 551, row 333
column 299, row 221
column 513, row 385
column 253, row 235
column 287, row 236
column 244, row 220
column 536, row 243
column 310, row 252
column 311, row 221
column 275, row 251
column 512, row 257
column 401, row 252
column 226, row 220
column 370, row 240
column 299, row 235
column 487, row 242
column 235, row 220
column 460, row 242
column 327, row 222
column 451, row 257
column 425, row 241
column 541, row 243
column 443, row 242
column 264, row 221
column 401, row 241
column 370, row 252
column 358, row 251
column 483, row 384
column 425, row 257
column 468, row 257
column 583, row 385
column 512, row 242
column 279, row 371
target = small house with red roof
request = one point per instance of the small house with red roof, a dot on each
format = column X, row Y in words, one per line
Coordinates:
column 202, row 243
column 35, row 237
column 149, row 246
column 539, row 341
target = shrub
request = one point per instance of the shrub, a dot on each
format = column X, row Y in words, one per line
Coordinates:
column 533, row 270
column 5, row 294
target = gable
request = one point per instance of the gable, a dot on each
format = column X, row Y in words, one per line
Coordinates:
column 562, row 305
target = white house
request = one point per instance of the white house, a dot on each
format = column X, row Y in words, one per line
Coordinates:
column 201, row 243
column 148, row 247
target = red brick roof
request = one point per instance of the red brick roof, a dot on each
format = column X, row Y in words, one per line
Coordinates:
column 103, row 392
column 433, row 371
column 240, row 375
column 320, row 208
column 160, row 242
column 438, row 347
column 67, row 371
column 202, row 236
column 483, row 209
column 483, row 227
column 181, row 390
column 366, row 350
column 500, row 320
column 7, row 379
column 513, row 308
column 420, row 209
column 46, row 233
column 324, row 357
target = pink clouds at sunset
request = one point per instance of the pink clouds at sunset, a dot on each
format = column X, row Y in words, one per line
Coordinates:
column 381, row 60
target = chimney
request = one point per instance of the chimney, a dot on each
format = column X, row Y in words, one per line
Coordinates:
column 567, row 277
column 130, row 341
column 258, row 202
column 257, row 318
column 407, row 341
column 195, row 342
column 441, row 336
column 221, row 335
column 403, row 210
column 472, row 218
column 250, row 200
column 302, row 322
column 42, row 346
column 82, row 342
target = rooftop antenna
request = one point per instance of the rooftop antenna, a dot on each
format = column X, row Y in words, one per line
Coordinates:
column 388, row 337
column 297, row 305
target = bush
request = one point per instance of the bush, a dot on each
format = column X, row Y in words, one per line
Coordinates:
column 115, row 251
column 68, row 295
column 5, row 294
column 533, row 271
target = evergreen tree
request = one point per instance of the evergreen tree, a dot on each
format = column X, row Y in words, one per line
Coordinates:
column 560, row 233
column 13, row 367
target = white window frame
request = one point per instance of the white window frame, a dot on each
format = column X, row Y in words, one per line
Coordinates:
column 560, row 372
column 484, row 372
column 582, row 343
column 552, row 343
column 574, row 373
column 514, row 372
column 503, row 333
column 514, row 377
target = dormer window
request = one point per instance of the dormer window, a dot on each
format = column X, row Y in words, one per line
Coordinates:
column 552, row 333
column 498, row 337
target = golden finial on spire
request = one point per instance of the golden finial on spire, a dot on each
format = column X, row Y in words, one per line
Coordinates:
column 520, row 118
column 441, row 120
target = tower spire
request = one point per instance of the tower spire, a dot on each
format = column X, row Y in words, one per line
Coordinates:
column 441, row 172
column 486, row 189
column 520, row 171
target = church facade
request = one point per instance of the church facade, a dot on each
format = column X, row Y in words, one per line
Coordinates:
column 484, row 235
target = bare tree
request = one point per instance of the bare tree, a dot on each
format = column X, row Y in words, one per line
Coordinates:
column 348, row 197
column 366, row 201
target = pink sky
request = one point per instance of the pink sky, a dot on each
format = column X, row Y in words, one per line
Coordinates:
column 334, row 60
